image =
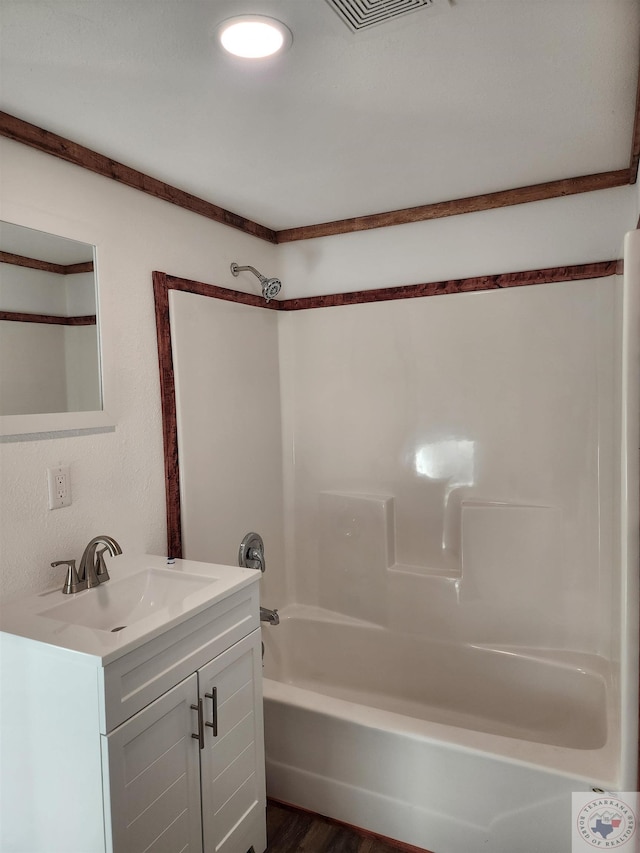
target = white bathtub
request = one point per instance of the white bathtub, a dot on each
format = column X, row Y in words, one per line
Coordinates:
column 451, row 749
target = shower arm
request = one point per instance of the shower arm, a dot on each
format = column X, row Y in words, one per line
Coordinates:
column 235, row 269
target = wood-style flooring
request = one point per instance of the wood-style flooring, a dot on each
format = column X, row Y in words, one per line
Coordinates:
column 290, row 830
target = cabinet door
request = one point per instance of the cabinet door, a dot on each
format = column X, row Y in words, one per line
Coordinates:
column 232, row 762
column 152, row 781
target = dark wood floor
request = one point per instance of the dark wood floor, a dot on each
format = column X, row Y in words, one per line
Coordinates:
column 290, row 830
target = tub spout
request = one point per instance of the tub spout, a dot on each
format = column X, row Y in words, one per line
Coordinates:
column 270, row 616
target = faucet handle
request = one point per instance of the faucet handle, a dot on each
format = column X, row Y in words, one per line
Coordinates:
column 101, row 567
column 71, row 584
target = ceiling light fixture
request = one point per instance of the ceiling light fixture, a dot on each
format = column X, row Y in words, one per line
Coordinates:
column 254, row 36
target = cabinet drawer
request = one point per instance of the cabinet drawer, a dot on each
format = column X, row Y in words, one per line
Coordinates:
column 136, row 679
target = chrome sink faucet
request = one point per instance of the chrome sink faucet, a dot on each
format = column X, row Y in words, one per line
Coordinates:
column 93, row 568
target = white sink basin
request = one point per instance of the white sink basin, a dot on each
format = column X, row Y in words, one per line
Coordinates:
column 146, row 596
column 117, row 604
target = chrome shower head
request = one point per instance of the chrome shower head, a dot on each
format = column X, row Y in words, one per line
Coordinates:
column 270, row 286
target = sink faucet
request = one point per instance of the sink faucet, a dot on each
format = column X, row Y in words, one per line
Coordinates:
column 270, row 616
column 90, row 562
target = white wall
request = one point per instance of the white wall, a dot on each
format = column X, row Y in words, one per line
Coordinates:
column 32, row 291
column 32, row 368
column 575, row 229
column 82, row 369
column 47, row 368
column 117, row 479
column 81, row 346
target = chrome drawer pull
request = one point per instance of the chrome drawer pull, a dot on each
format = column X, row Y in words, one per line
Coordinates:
column 214, row 719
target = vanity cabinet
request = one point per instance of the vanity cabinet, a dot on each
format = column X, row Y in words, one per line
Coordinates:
column 186, row 771
column 158, row 749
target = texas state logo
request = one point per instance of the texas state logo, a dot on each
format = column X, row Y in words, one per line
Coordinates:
column 607, row 822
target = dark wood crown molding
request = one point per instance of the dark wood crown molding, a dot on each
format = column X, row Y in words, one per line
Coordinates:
column 472, row 204
column 65, row 149
column 22, row 131
column 45, row 266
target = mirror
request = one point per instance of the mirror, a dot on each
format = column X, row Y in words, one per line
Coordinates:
column 49, row 338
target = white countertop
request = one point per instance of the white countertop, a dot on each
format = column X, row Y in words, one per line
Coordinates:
column 24, row 617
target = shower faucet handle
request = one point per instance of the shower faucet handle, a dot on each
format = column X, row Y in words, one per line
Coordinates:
column 251, row 553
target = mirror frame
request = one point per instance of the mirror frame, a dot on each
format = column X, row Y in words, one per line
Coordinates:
column 58, row 424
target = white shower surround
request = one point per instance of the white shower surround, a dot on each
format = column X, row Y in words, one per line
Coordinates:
column 556, row 351
column 489, row 422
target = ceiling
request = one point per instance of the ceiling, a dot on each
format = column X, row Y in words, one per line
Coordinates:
column 470, row 97
column 40, row 246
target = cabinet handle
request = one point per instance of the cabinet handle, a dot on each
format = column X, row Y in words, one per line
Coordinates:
column 200, row 736
column 214, row 718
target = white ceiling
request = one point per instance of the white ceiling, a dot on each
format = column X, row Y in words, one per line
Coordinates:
column 481, row 96
column 43, row 247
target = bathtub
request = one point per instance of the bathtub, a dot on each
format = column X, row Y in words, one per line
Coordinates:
column 450, row 749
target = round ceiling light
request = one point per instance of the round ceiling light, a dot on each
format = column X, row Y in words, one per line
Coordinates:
column 254, row 36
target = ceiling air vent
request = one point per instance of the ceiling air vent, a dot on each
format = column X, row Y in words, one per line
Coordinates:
column 361, row 14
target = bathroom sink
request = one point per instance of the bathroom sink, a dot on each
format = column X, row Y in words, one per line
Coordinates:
column 146, row 596
column 114, row 605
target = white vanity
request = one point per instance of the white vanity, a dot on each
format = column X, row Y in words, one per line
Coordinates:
column 131, row 714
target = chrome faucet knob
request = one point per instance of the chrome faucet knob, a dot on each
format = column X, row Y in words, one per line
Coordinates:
column 72, row 584
column 251, row 553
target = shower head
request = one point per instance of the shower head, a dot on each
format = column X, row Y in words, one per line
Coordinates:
column 270, row 286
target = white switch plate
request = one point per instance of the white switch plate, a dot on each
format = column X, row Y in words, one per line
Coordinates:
column 59, row 486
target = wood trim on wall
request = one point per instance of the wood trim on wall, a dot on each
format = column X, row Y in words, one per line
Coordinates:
column 51, row 319
column 43, row 140
column 163, row 283
column 65, row 149
column 169, row 419
column 213, row 290
column 472, row 204
column 45, row 266
column 550, row 275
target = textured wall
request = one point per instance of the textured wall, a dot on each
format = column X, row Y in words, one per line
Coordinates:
column 117, row 478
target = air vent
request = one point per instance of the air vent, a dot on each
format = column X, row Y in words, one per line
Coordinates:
column 361, row 14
